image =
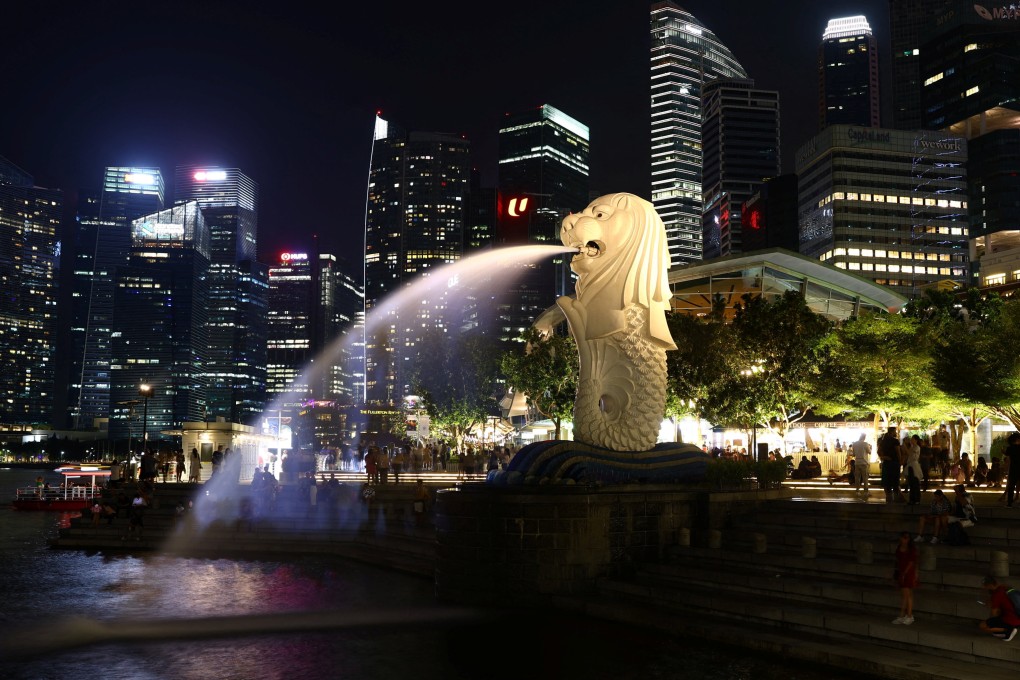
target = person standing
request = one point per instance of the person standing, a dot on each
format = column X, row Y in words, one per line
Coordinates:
column 889, row 454
column 1012, row 462
column 383, row 463
column 194, row 474
column 862, row 464
column 179, row 461
column 906, row 577
column 913, row 458
column 941, row 443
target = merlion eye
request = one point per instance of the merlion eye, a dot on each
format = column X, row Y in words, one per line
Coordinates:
column 598, row 214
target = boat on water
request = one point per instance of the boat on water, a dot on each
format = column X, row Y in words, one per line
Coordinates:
column 77, row 491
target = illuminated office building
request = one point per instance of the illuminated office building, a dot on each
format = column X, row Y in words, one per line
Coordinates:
column 543, row 177
column 314, row 351
column 848, row 74
column 684, row 55
column 417, row 203
column 102, row 245
column 29, row 260
column 238, row 285
column 160, row 329
column 888, row 205
column 740, row 145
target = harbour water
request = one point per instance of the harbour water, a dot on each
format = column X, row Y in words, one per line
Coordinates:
column 41, row 587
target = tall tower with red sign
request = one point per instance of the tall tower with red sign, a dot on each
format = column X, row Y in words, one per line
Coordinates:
column 740, row 146
column 543, row 176
column 238, row 286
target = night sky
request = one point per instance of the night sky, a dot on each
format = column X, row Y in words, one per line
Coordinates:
column 287, row 91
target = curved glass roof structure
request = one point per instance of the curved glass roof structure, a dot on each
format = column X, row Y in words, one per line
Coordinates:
column 833, row 293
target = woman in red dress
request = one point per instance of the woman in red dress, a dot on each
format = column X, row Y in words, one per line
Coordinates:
column 906, row 577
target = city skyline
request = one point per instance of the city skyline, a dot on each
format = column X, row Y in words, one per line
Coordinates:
column 289, row 95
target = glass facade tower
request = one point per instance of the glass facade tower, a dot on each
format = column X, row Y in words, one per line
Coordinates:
column 238, row 286
column 685, row 55
column 160, row 325
column 417, row 204
column 543, row 164
column 29, row 260
column 104, row 240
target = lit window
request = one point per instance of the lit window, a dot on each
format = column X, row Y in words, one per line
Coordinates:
column 917, row 201
column 943, row 203
column 867, row 267
column 865, row 197
column 838, row 196
column 867, row 253
column 970, row 47
column 972, row 90
column 929, row 201
column 855, row 252
column 879, row 198
column 894, row 268
column 851, row 196
column 905, row 200
column 934, row 79
column 890, row 199
column 880, row 267
column 854, row 266
column 995, row 280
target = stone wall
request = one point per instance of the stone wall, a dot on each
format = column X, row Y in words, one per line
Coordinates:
column 515, row 545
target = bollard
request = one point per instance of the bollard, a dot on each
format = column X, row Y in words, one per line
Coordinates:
column 760, row 543
column 684, row 538
column 865, row 553
column 809, row 548
column 999, row 564
column 715, row 539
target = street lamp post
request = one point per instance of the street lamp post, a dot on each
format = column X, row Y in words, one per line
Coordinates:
column 145, row 391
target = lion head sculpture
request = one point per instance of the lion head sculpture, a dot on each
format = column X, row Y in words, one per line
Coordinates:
column 623, row 261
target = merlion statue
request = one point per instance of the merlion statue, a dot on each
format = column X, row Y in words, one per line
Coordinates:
column 618, row 320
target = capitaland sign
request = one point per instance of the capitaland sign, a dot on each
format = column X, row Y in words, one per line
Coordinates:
column 865, row 135
column 1004, row 12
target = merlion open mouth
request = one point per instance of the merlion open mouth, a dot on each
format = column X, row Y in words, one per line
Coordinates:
column 593, row 248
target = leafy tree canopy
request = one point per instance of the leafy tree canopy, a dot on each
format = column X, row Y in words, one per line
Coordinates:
column 545, row 369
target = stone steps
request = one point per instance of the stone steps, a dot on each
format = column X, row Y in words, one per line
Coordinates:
column 830, row 607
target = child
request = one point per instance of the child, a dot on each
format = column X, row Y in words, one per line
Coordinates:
column 906, row 577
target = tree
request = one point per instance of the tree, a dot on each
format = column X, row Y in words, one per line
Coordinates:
column 545, row 369
column 978, row 362
column 778, row 341
column 456, row 380
column 702, row 361
column 877, row 364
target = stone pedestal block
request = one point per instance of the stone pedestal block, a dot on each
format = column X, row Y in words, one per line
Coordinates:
column 999, row 564
column 809, row 548
column 760, row 543
column 865, row 553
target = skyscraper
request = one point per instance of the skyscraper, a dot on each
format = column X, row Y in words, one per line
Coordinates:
column 238, row 285
column 543, row 165
column 29, row 259
column 888, row 205
column 159, row 334
column 103, row 244
column 685, row 55
column 909, row 20
column 740, row 143
column 970, row 86
column 848, row 74
column 417, row 202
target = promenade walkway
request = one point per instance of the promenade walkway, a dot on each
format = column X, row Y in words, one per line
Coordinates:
column 808, row 577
